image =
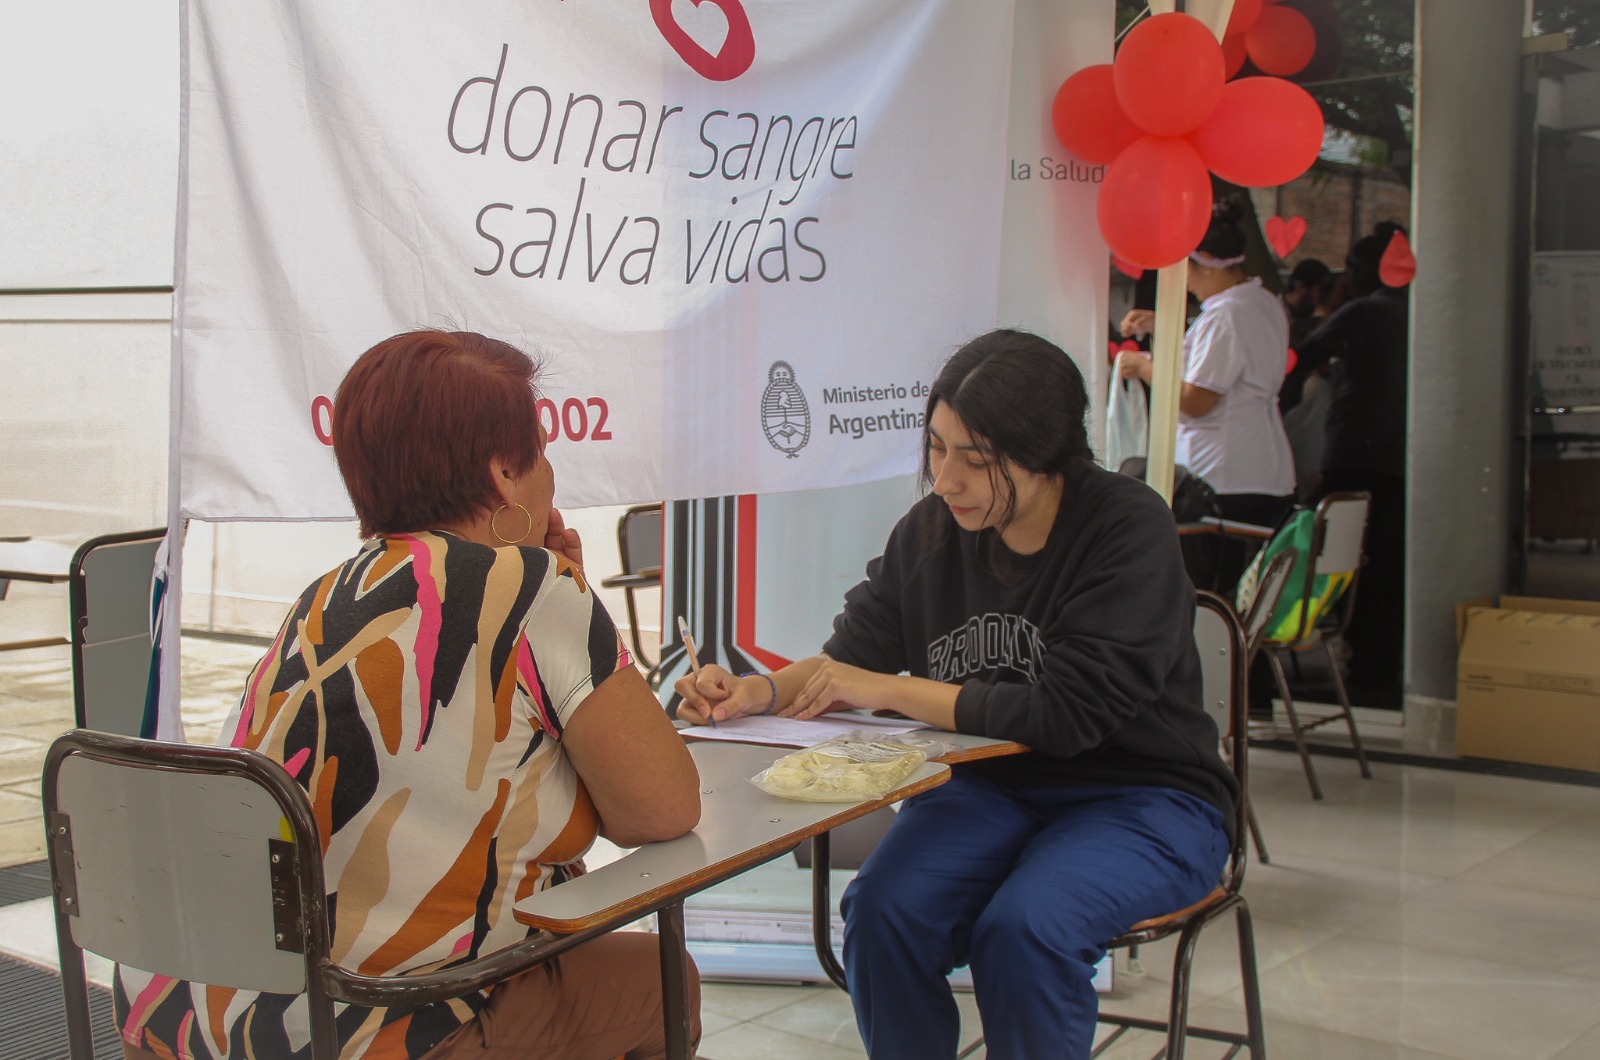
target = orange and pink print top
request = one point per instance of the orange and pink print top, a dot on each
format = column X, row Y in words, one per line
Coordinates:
column 418, row 693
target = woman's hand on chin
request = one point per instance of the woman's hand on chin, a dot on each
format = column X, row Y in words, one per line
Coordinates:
column 562, row 539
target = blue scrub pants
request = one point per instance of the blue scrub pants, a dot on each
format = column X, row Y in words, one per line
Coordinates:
column 1026, row 886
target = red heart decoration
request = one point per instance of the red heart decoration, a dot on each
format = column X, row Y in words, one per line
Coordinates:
column 1127, row 268
column 738, row 49
column 1285, row 234
column 1292, row 360
column 1114, row 348
column 1398, row 266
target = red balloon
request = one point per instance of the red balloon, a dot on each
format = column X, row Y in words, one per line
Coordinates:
column 1398, row 266
column 1155, row 202
column 1265, row 131
column 1243, row 16
column 1233, row 54
column 1329, row 56
column 1087, row 119
column 1282, row 41
column 1168, row 74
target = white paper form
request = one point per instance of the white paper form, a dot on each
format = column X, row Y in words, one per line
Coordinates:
column 791, row 732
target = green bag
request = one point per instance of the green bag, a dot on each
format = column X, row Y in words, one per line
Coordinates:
column 1284, row 623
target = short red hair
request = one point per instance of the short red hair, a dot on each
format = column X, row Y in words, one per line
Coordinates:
column 417, row 420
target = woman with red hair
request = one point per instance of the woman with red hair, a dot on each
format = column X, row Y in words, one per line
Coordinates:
column 463, row 716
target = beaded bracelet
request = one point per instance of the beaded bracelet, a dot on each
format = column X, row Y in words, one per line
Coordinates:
column 773, row 705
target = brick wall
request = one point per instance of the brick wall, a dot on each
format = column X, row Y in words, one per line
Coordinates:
column 1340, row 204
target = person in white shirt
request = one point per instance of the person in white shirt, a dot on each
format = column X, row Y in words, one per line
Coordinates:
column 1230, row 431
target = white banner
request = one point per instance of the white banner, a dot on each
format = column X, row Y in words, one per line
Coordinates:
column 741, row 234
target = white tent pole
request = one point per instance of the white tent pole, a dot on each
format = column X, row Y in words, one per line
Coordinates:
column 1166, row 345
column 1166, row 375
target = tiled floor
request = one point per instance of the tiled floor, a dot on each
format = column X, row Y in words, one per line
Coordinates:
column 1423, row 913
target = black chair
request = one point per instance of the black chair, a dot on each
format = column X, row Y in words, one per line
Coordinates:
column 114, row 671
column 639, row 533
column 1215, row 624
column 1268, row 589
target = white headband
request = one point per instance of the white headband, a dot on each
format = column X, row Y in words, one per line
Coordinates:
column 1200, row 257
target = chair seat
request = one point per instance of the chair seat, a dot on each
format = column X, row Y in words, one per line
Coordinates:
column 1176, row 918
column 1312, row 639
column 645, row 579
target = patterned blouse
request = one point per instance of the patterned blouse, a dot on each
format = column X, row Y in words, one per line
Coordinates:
column 418, row 693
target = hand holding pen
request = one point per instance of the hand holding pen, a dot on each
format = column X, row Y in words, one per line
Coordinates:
column 709, row 694
column 694, row 661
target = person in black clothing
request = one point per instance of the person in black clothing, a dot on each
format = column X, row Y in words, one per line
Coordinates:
column 1300, row 297
column 1031, row 597
column 1364, row 343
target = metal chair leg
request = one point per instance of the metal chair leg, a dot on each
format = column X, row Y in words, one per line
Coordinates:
column 1255, row 834
column 1349, row 717
column 1294, row 725
column 1252, row 986
column 1178, row 1013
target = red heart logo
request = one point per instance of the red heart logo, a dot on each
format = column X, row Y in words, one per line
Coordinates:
column 1284, row 235
column 738, row 49
column 1127, row 268
column 1114, row 348
column 1398, row 266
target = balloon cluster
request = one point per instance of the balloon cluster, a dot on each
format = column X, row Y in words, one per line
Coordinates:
column 1278, row 39
column 1161, row 117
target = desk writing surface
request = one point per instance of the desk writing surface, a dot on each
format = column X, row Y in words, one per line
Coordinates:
column 740, row 827
column 35, row 561
column 971, row 748
column 968, row 748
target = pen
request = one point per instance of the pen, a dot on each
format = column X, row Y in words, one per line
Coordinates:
column 694, row 658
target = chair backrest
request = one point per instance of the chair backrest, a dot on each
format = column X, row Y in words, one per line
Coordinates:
column 1220, row 640
column 1337, row 535
column 109, row 600
column 1341, row 529
column 199, row 863
column 1216, row 663
column 639, row 538
column 1268, row 589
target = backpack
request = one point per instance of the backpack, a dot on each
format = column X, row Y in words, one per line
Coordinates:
column 1193, row 499
column 1285, row 624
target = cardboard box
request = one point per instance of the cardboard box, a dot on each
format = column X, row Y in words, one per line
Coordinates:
column 1528, row 682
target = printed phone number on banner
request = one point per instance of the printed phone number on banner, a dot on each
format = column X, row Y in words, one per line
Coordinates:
column 576, row 419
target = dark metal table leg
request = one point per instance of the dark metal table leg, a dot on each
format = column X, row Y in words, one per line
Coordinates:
column 675, row 982
column 822, row 910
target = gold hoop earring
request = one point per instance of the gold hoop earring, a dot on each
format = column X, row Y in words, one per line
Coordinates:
column 511, row 540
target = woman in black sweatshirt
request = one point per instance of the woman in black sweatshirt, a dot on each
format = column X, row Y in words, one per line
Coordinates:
column 1031, row 597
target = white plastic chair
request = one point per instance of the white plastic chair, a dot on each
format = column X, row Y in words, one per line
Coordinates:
column 203, row 864
column 113, row 659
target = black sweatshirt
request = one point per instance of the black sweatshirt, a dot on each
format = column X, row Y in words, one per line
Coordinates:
column 1084, row 650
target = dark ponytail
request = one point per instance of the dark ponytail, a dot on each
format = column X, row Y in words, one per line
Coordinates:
column 1224, row 239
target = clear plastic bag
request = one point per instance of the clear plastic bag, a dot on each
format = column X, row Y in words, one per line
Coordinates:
column 857, row 766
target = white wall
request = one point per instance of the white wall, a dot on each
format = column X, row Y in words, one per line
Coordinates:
column 88, row 143
column 83, row 413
